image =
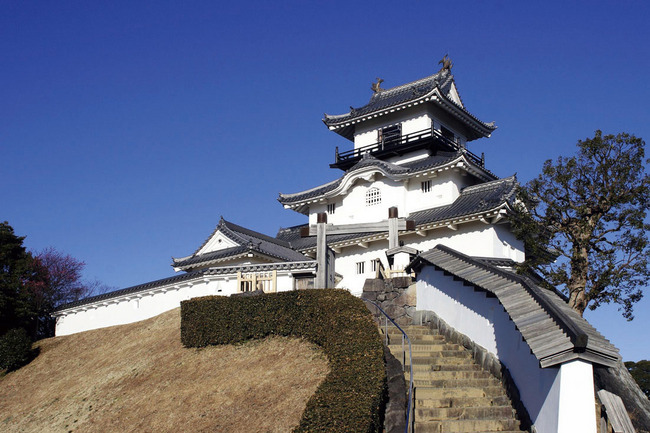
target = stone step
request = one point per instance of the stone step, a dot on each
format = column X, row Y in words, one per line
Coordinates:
column 446, row 367
column 410, row 331
column 418, row 328
column 466, row 425
column 452, row 393
column 460, row 354
column 427, row 347
column 455, row 383
column 431, row 393
column 430, row 403
column 460, row 413
column 435, row 361
column 416, row 339
column 448, row 375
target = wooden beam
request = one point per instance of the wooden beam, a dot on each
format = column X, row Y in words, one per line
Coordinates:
column 381, row 226
column 321, row 251
column 363, row 244
column 421, row 232
column 452, row 227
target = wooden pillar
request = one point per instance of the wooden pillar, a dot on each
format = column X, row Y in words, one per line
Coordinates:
column 321, row 251
column 393, row 230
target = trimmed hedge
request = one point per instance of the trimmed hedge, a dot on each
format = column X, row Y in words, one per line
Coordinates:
column 351, row 398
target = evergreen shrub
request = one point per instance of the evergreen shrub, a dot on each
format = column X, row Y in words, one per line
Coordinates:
column 351, row 398
column 15, row 349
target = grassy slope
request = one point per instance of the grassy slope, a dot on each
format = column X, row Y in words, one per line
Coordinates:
column 138, row 378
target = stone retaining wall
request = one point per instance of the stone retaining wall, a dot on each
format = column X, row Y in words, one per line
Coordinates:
column 396, row 296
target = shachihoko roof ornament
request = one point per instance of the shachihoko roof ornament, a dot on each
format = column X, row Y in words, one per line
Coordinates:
column 446, row 64
column 438, row 89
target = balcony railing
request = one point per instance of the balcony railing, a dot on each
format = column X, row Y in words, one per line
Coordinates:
column 426, row 138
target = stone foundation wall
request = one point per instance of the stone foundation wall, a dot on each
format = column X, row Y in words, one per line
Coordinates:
column 396, row 296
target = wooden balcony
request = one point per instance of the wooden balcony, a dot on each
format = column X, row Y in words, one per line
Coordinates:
column 426, row 139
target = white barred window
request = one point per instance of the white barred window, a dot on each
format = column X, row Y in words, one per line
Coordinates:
column 373, row 197
column 330, row 208
column 361, row 267
column 426, row 186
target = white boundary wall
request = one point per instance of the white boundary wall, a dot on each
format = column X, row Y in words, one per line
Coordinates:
column 557, row 399
column 147, row 303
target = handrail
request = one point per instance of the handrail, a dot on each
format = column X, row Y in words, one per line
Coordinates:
column 406, row 139
column 404, row 336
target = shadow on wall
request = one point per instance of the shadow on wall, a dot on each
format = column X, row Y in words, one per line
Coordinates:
column 483, row 319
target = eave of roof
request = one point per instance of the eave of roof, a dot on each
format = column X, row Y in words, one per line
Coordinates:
column 431, row 89
column 554, row 332
column 487, row 202
column 369, row 165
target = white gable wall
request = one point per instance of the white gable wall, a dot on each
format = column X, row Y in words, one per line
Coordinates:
column 217, row 242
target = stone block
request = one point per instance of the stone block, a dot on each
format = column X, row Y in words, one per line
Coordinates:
column 407, row 297
column 373, row 285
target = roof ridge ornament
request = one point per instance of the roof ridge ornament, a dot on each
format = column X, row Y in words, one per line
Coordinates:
column 376, row 87
column 446, row 64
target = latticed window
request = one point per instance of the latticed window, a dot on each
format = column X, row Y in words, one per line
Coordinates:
column 426, row 186
column 373, row 197
column 361, row 267
column 331, row 208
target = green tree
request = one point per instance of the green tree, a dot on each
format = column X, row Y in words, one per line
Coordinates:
column 33, row 285
column 583, row 221
column 16, row 273
column 640, row 371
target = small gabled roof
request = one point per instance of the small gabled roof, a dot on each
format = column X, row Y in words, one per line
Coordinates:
column 368, row 163
column 438, row 88
column 555, row 332
column 474, row 202
column 247, row 242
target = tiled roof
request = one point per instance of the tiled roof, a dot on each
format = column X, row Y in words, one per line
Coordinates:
column 473, row 200
column 386, row 99
column 152, row 285
column 247, row 240
column 555, row 332
column 390, row 169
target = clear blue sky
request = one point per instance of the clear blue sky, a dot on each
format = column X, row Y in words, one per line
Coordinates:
column 128, row 128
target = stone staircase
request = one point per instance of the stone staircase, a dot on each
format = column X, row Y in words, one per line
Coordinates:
column 452, row 393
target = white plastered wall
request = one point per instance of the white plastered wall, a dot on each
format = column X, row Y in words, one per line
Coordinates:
column 474, row 239
column 411, row 120
column 149, row 303
column 557, row 399
column 406, row 195
column 351, row 208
